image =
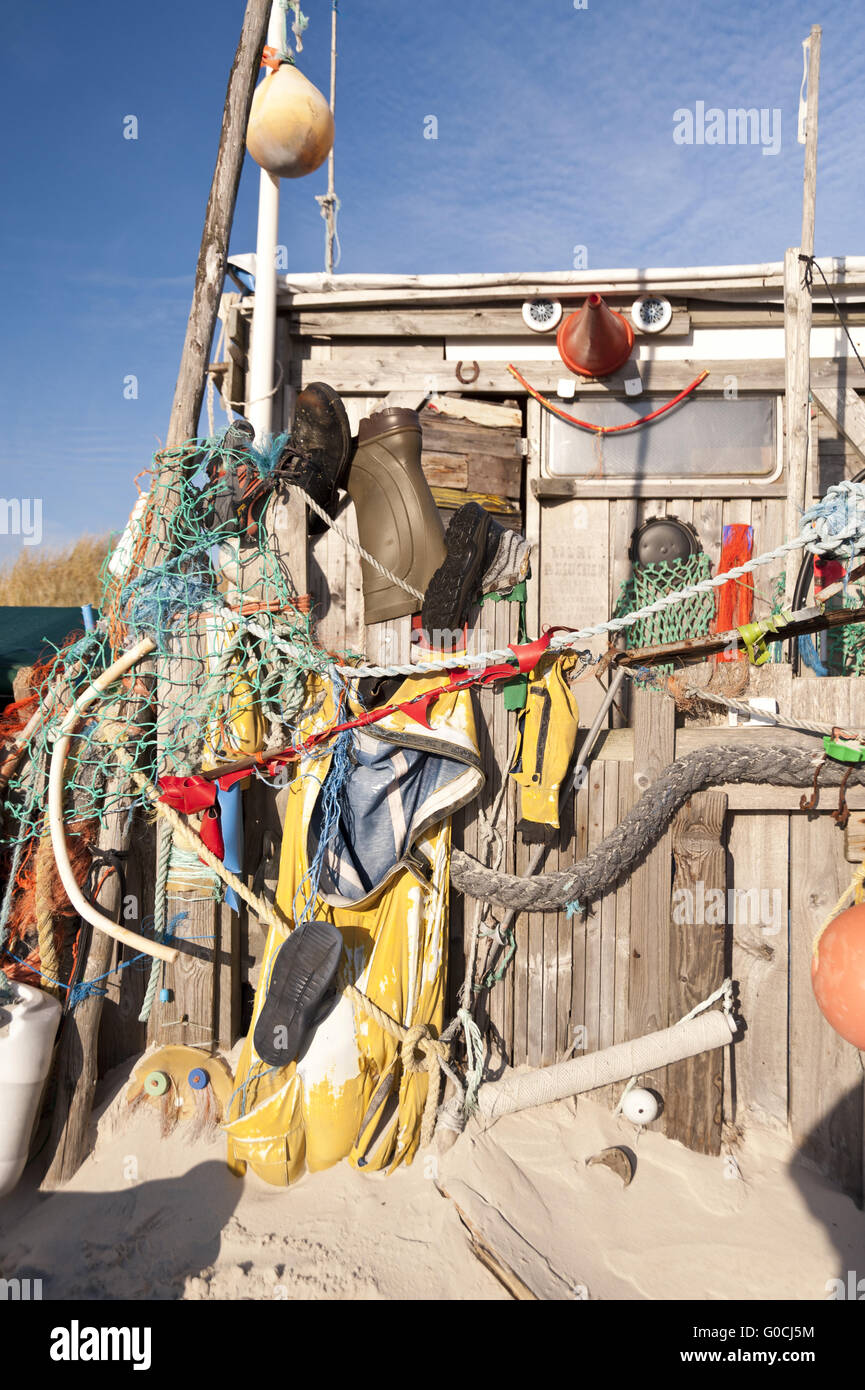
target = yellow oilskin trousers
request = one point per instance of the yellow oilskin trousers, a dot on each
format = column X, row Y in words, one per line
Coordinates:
column 546, row 737
column 347, row 1096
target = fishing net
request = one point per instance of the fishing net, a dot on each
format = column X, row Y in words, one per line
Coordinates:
column 693, row 617
column 201, row 571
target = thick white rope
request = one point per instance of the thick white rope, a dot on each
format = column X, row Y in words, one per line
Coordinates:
column 355, row 545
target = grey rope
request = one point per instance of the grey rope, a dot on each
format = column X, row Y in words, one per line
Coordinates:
column 784, row 765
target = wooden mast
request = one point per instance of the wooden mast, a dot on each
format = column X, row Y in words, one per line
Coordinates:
column 797, row 326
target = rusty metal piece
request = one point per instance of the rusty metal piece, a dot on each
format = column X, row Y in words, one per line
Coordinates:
column 842, row 815
column 809, row 803
column 467, row 380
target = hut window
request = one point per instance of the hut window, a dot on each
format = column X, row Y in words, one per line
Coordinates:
column 707, row 437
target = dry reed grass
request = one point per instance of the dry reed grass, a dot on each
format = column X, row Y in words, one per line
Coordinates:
column 60, row 578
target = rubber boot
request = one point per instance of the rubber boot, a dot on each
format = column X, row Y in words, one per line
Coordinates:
column 397, row 520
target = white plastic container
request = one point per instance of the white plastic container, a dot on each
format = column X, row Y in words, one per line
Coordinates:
column 28, row 1026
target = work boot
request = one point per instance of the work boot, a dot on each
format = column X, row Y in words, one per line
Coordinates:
column 397, row 519
column 457, row 581
column 229, row 473
column 317, row 454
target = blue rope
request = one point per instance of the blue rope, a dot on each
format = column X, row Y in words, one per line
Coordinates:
column 810, row 654
column 331, row 808
column 85, row 988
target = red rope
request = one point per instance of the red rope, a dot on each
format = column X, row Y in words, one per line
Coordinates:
column 605, row 429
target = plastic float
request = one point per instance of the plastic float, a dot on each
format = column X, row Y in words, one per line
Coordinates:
column 28, row 1026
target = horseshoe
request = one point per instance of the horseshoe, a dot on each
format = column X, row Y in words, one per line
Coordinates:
column 467, row 380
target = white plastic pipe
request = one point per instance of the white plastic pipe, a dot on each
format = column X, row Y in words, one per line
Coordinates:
column 55, row 809
column 262, row 350
column 522, row 1090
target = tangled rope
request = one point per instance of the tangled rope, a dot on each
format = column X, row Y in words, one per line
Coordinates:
column 623, row 849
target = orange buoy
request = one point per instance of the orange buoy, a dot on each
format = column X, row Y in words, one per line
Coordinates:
column 838, row 974
column 595, row 340
column 290, row 131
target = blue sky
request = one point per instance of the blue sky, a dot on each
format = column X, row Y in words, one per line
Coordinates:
column 554, row 130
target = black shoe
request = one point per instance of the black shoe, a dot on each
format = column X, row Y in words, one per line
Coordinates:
column 303, row 974
column 456, row 582
column 317, row 455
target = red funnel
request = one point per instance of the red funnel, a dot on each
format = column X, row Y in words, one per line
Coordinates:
column 595, row 340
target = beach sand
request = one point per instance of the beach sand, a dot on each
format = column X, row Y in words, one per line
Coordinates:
column 153, row 1218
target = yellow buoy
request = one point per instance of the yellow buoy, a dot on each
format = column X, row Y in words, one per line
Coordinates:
column 290, row 131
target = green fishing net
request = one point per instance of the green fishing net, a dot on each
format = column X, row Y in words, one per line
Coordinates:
column 233, row 642
column 693, row 617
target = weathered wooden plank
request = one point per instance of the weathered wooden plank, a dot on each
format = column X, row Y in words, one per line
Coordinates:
column 607, row 990
column 844, row 410
column 445, row 470
column 825, row 1072
column 392, row 322
column 595, row 785
column 561, row 489
column 479, row 412
column 444, row 436
column 693, row 1098
column 475, row 471
column 383, row 372
column 759, row 860
column 574, row 578
column 654, row 734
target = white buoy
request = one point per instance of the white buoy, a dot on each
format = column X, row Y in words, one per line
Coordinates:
column 639, row 1106
column 28, row 1027
column 290, row 131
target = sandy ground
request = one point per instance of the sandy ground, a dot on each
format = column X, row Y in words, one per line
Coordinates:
column 147, row 1217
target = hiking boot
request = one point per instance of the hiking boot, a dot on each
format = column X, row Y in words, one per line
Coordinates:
column 457, row 581
column 397, row 518
column 317, row 454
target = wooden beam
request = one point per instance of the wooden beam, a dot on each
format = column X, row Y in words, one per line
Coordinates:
column 809, row 192
column 693, row 1100
column 394, row 321
column 560, row 489
column 382, row 373
column 654, row 723
column 218, row 217
column 797, row 324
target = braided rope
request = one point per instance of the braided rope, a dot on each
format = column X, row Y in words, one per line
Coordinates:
column 419, row 1052
column 49, row 961
column 355, row 545
column 616, row 857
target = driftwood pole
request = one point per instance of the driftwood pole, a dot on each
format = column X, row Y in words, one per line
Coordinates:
column 213, row 253
column 797, row 325
column 77, row 1057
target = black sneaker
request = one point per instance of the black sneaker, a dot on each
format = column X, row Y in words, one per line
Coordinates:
column 456, row 582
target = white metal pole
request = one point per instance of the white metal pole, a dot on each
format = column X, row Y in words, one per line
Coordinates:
column 262, row 351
